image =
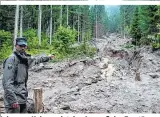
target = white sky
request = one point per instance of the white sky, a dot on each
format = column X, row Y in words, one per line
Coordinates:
column 79, row 2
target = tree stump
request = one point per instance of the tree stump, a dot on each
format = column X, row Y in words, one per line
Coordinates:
column 137, row 77
column 38, row 99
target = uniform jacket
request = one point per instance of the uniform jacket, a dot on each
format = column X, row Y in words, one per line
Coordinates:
column 15, row 77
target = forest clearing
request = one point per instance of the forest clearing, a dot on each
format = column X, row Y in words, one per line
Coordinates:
column 104, row 63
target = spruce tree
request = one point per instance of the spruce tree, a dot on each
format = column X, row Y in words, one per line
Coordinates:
column 135, row 31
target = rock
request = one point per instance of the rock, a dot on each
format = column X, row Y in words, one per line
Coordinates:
column 157, row 52
column 45, row 82
column 158, row 70
column 110, row 70
column 104, row 63
column 65, row 107
column 1, row 77
column 1, row 98
column 97, row 58
column 91, row 72
column 154, row 75
column 73, row 63
column 121, row 78
column 74, row 86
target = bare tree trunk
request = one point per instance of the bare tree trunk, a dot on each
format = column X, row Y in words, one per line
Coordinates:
column 54, row 26
column 47, row 28
column 84, row 31
column 67, row 15
column 121, row 31
column 16, row 25
column 51, row 26
column 28, row 24
column 96, row 32
column 96, row 23
column 39, row 24
column 78, row 28
column 21, row 22
column 124, row 36
column 61, row 16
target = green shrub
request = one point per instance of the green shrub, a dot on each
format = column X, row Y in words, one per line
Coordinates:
column 145, row 41
column 83, row 50
column 61, row 46
column 155, row 45
column 5, row 51
column 5, row 44
column 128, row 46
column 5, row 36
column 32, row 39
column 45, row 41
column 156, row 41
column 63, row 39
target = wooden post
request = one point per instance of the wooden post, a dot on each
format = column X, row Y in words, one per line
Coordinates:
column 137, row 77
column 38, row 99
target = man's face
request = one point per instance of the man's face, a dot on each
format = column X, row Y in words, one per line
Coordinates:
column 21, row 48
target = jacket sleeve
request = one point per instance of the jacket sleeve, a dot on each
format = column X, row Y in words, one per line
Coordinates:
column 36, row 60
column 8, row 80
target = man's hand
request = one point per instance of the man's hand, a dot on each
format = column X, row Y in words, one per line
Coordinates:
column 51, row 56
column 15, row 105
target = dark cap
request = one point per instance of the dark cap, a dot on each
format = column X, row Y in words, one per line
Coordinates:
column 21, row 41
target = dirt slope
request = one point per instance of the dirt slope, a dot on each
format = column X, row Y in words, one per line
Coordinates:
column 104, row 84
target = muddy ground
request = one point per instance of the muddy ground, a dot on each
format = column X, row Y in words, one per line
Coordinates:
column 103, row 84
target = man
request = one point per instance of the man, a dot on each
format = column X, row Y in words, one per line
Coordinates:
column 15, row 77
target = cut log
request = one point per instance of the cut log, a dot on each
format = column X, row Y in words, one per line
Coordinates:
column 137, row 77
column 38, row 99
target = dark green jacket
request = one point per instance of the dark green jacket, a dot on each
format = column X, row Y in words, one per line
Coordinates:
column 15, row 77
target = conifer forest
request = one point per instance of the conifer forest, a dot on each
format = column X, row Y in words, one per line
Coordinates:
column 106, row 57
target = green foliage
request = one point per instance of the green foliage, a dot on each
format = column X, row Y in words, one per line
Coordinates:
column 144, row 24
column 135, row 31
column 113, row 18
column 63, row 47
column 5, row 44
column 144, row 20
column 5, row 37
column 5, row 51
column 45, row 41
column 86, row 50
column 32, row 39
column 87, row 36
column 7, row 13
column 156, row 41
column 102, row 20
column 82, row 50
column 156, row 45
column 144, row 41
column 128, row 46
column 157, row 36
column 63, row 39
column 126, row 15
